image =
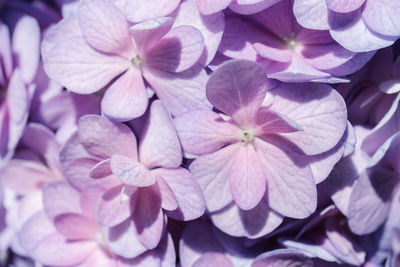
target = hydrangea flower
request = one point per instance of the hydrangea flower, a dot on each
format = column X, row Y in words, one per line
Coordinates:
column 358, row 25
column 253, row 163
column 34, row 164
column 66, row 232
column 143, row 183
column 288, row 51
column 100, row 44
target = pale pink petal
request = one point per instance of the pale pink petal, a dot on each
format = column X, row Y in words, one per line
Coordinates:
column 347, row 248
column 208, row 7
column 25, row 176
column 101, row 169
column 280, row 52
column 131, row 172
column 59, row 197
column 247, row 179
column 267, row 121
column 122, row 239
column 55, row 34
column 215, row 259
column 148, row 216
column 238, row 88
column 343, row 6
column 77, row 172
column 251, row 7
column 210, row 26
column 163, row 255
column 90, row 200
column 298, row 70
column 141, row 10
column 370, row 200
column 126, row 98
column 283, row 257
column 34, row 230
column 80, row 68
column 204, row 131
column 43, row 140
column 27, row 31
column 212, row 172
column 168, row 199
column 55, row 250
column 180, row 91
column 5, row 52
column 348, row 36
column 318, row 109
column 18, row 105
column 291, row 189
column 113, row 209
column 177, row 51
column 250, row 223
column 72, row 149
column 159, row 146
column 147, row 34
column 104, row 26
column 75, row 226
column 187, row 193
column 103, row 138
column 382, row 16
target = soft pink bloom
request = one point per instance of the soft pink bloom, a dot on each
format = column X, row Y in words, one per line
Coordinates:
column 99, row 49
column 35, row 163
column 66, row 232
column 288, row 51
column 144, row 183
column 261, row 161
column 208, row 7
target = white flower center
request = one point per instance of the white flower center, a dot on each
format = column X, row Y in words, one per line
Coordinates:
column 137, row 61
column 247, row 137
column 291, row 42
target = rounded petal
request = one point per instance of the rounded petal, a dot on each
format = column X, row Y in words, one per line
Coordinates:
column 80, row 68
column 208, row 7
column 291, row 189
column 102, row 137
column 177, row 51
column 383, row 16
column 131, row 172
column 318, row 109
column 238, row 88
column 204, row 131
column 126, row 98
column 180, row 91
column 249, row 223
column 159, row 145
column 187, row 192
column 104, row 26
column 141, row 10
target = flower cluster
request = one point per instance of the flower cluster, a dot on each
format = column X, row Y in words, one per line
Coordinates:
column 196, row 133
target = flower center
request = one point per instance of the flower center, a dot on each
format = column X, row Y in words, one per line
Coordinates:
column 137, row 61
column 247, row 137
column 291, row 42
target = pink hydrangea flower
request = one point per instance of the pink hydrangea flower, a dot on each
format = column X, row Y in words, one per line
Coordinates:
column 253, row 163
column 208, row 7
column 358, row 25
column 34, row 164
column 100, row 49
column 288, row 51
column 144, row 183
column 66, row 232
